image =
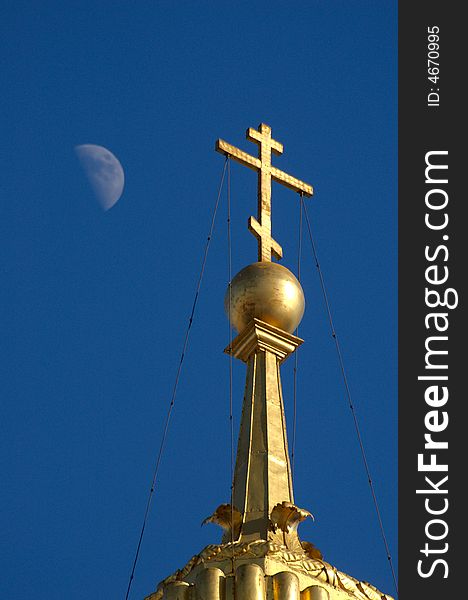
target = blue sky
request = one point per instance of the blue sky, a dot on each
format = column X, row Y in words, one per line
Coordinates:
column 95, row 304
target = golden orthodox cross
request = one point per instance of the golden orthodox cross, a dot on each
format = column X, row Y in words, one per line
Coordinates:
column 261, row 228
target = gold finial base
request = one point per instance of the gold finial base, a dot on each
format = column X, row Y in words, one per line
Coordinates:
column 264, row 337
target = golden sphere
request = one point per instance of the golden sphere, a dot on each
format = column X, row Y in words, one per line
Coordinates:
column 266, row 291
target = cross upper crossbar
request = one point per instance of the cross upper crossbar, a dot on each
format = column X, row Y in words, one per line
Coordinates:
column 261, row 228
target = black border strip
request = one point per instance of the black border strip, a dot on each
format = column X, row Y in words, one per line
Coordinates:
column 430, row 125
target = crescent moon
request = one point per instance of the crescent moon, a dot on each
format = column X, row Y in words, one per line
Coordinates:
column 104, row 172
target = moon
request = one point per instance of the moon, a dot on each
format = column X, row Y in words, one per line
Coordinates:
column 104, row 172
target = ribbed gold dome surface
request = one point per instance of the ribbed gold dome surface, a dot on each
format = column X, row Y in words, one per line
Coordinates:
column 266, row 291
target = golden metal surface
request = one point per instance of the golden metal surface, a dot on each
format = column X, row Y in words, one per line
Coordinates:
column 265, row 291
column 315, row 592
column 287, row 516
column 318, row 580
column 311, row 550
column 177, row 590
column 285, row 586
column 211, row 585
column 261, row 228
column 250, row 582
column 227, row 518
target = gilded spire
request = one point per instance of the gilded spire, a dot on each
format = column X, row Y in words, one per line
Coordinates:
column 261, row 556
column 265, row 303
